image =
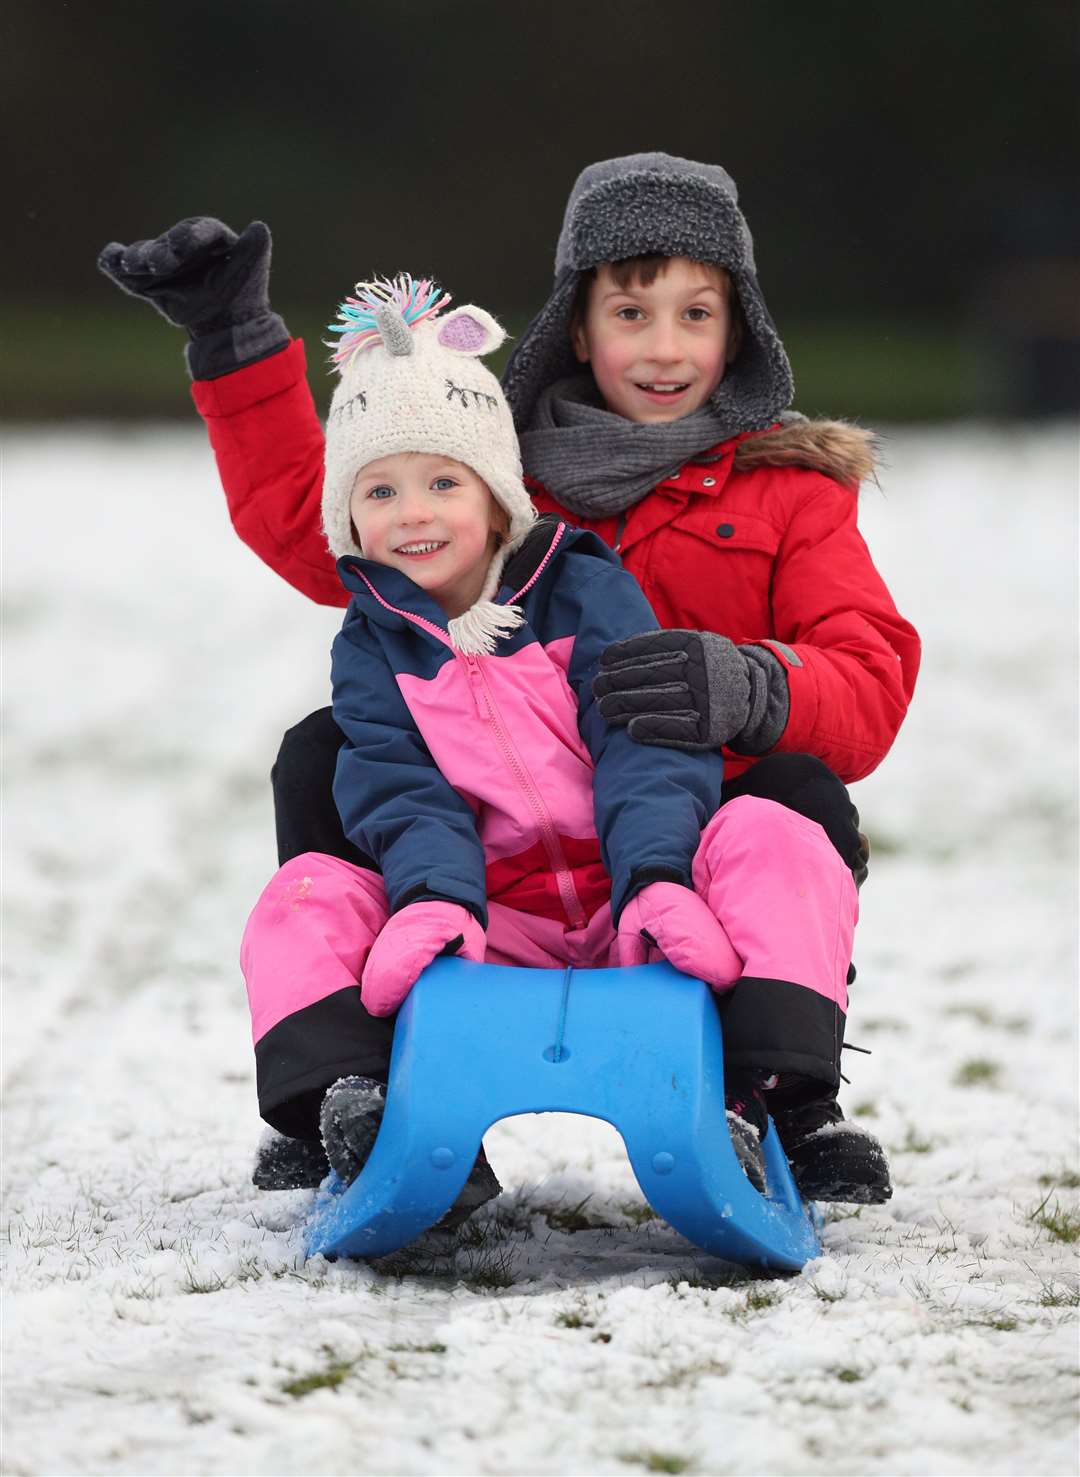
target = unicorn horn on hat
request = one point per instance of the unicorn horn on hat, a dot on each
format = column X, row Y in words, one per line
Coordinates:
column 384, row 311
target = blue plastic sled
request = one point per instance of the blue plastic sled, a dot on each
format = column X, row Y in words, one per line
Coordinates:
column 640, row 1048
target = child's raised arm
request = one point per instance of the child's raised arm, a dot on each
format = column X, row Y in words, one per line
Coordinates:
column 200, row 275
column 250, row 387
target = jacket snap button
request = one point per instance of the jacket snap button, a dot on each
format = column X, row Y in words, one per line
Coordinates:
column 708, row 481
column 725, row 530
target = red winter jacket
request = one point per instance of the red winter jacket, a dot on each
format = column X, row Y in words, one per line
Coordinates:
column 760, row 552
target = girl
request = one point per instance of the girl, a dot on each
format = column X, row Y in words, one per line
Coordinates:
column 509, row 822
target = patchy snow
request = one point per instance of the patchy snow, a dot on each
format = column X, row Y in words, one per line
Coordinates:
column 159, row 1317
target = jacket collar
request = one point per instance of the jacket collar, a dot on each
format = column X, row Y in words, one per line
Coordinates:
column 390, row 598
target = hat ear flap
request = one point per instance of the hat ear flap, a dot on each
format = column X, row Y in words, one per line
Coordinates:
column 470, row 330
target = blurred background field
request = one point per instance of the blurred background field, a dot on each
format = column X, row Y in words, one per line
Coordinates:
column 908, row 173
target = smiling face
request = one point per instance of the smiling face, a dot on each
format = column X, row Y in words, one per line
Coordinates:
column 431, row 517
column 657, row 349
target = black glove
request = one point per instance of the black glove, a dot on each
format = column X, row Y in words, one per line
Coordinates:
column 202, row 276
column 693, row 690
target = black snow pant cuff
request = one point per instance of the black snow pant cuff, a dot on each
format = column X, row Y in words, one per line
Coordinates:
column 774, row 1026
column 298, row 1059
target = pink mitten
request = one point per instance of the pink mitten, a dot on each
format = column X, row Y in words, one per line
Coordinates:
column 685, row 932
column 407, row 944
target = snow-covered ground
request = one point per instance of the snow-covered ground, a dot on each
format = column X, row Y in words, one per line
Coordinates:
column 159, row 1316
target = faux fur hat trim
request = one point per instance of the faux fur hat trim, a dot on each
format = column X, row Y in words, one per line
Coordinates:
column 837, row 448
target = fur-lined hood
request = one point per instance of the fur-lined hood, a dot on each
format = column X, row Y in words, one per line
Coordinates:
column 836, row 448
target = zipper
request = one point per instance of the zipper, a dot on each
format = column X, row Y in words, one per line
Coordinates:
column 484, row 702
column 476, row 687
column 619, row 530
column 486, row 707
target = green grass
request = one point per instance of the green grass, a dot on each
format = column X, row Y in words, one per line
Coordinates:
column 886, row 1023
column 484, row 1270
column 571, row 1218
column 333, row 1373
column 759, row 1298
column 1068, row 1179
column 958, row 969
column 982, row 1015
column 686, row 1376
column 490, row 1275
column 1059, row 1224
column 573, row 1320
column 1002, row 1322
column 882, row 845
column 825, row 1295
column 978, row 1072
column 655, row 1461
column 639, row 1212
column 1064, row 1297
column 913, row 1144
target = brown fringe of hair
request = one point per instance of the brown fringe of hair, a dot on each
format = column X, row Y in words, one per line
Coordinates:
column 642, row 271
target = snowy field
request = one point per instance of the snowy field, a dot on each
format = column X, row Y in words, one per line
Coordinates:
column 159, row 1316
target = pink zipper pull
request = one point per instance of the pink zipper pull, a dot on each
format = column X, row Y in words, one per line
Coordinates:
column 476, row 682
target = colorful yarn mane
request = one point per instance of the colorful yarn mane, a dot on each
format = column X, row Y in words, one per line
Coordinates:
column 358, row 327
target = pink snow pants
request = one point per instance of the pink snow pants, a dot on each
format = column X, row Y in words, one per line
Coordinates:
column 769, row 875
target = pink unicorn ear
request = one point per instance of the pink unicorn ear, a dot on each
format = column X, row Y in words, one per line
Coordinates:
column 470, row 330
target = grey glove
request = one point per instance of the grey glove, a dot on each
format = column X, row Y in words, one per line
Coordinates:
column 694, row 690
column 200, row 275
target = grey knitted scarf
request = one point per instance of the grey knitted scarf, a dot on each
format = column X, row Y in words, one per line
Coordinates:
column 598, row 464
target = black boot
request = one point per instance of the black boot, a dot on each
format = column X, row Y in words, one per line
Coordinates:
column 349, row 1119
column 748, row 1122
column 830, row 1158
column 283, row 1163
column 352, row 1111
column 289, row 1164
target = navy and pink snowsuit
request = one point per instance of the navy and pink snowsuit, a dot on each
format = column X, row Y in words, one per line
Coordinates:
column 494, row 783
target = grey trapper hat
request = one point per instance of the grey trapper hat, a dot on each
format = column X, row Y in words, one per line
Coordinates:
column 635, row 206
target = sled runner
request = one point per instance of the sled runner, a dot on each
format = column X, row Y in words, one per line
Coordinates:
column 640, row 1048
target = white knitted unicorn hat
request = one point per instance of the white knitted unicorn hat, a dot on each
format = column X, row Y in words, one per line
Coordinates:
column 411, row 380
